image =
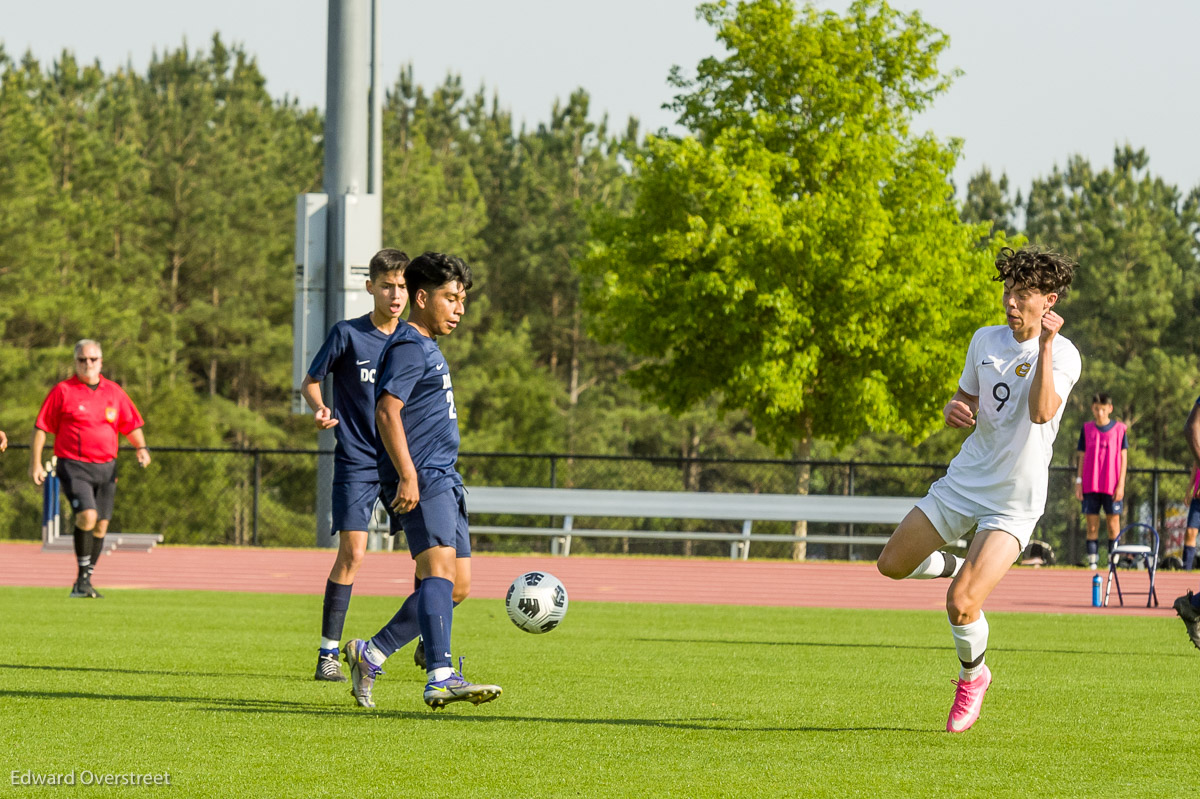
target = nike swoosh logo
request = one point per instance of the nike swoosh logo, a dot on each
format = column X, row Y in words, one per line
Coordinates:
column 439, row 367
column 360, row 363
column 986, row 363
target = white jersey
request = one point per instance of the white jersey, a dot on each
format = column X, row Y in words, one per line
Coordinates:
column 1004, row 464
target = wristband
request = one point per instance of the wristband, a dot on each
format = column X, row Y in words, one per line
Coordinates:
column 1078, row 481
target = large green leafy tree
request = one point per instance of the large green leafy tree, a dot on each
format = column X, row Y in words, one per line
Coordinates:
column 800, row 255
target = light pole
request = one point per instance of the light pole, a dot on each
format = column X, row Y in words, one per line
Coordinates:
column 339, row 230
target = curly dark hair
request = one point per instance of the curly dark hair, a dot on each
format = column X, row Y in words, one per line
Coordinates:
column 1048, row 272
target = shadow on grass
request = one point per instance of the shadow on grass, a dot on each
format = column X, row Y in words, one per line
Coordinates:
column 113, row 670
column 704, row 724
column 834, row 644
column 228, row 705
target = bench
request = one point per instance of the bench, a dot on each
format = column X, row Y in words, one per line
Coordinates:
column 129, row 542
column 570, row 503
column 53, row 539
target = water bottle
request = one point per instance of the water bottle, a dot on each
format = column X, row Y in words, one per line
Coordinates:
column 1095, row 590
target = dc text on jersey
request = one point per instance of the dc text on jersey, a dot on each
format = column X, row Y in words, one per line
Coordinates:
column 350, row 354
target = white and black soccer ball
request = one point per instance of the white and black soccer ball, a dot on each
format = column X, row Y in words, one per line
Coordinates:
column 536, row 602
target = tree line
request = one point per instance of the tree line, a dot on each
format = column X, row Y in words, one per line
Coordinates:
column 791, row 275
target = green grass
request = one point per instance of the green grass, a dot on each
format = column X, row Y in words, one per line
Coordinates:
column 622, row 700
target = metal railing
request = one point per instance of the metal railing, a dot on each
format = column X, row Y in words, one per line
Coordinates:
column 267, row 497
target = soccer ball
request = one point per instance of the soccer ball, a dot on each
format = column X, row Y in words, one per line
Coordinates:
column 536, row 602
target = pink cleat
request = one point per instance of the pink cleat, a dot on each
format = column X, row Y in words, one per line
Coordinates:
column 968, row 699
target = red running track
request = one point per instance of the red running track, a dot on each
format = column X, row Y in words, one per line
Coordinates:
column 717, row 582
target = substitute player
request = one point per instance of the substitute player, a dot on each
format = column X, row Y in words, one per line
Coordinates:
column 1188, row 605
column 1100, row 483
column 1012, row 391
column 85, row 413
column 351, row 353
column 417, row 445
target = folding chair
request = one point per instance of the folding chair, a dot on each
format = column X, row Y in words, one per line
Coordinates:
column 1138, row 542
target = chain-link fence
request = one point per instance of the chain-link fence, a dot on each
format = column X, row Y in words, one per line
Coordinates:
column 268, row 497
column 616, row 472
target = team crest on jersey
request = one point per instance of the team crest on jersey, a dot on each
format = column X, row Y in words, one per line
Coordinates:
column 110, row 415
column 1023, row 369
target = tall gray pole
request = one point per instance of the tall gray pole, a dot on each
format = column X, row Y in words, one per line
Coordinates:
column 347, row 98
column 352, row 184
column 375, row 184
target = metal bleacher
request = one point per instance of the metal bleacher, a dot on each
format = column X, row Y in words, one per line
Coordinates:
column 53, row 539
column 747, row 508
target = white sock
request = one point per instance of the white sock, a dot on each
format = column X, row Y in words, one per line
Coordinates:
column 970, row 641
column 439, row 674
column 330, row 643
column 938, row 564
column 374, row 655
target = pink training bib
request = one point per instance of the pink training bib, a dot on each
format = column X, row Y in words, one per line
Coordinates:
column 1102, row 458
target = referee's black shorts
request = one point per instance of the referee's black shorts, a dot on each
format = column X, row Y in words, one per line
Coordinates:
column 89, row 486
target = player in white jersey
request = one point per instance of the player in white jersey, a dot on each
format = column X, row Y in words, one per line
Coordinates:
column 1013, row 389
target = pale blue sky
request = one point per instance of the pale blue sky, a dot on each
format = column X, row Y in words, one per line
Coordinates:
column 1044, row 78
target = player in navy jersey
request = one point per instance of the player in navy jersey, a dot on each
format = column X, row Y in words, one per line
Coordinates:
column 351, row 354
column 417, row 444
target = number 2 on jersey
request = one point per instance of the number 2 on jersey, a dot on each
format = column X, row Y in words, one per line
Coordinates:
column 449, row 396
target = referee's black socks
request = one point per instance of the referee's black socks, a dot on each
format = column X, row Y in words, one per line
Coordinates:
column 83, row 550
column 97, row 550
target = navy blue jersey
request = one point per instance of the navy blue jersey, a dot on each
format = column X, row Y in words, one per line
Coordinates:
column 413, row 371
column 351, row 354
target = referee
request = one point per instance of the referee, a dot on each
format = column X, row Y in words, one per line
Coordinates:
column 85, row 413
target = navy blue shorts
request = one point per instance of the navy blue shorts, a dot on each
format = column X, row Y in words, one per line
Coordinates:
column 437, row 521
column 353, row 504
column 1194, row 514
column 1092, row 503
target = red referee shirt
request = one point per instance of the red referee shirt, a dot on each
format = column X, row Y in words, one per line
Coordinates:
column 85, row 421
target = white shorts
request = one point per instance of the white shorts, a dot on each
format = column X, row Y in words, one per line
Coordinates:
column 952, row 523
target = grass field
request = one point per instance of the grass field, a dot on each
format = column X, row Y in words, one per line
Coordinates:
column 216, row 689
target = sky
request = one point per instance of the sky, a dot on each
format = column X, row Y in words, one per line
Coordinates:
column 1043, row 79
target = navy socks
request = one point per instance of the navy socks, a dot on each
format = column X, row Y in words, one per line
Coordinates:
column 1189, row 557
column 402, row 628
column 435, row 612
column 333, row 612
